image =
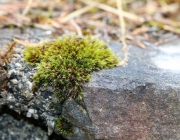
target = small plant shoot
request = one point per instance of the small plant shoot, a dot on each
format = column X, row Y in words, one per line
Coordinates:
column 64, row 127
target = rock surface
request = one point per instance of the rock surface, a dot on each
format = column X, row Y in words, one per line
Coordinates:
column 16, row 128
column 140, row 101
column 19, row 95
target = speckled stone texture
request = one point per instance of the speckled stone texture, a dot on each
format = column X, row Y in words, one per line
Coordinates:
column 19, row 95
column 139, row 101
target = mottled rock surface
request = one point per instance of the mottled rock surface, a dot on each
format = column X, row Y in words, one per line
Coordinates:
column 14, row 127
column 19, row 95
column 140, row 101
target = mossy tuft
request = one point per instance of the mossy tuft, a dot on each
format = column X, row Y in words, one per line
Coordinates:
column 67, row 62
column 64, row 126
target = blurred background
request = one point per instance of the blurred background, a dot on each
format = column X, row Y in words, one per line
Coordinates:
column 146, row 21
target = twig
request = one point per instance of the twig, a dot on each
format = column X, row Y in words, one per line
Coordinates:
column 25, row 43
column 127, row 15
column 123, row 38
column 95, row 16
column 137, row 44
column 169, row 8
column 165, row 40
column 171, row 29
column 12, row 6
column 167, row 21
column 77, row 13
column 28, row 6
column 140, row 30
column 76, row 26
column 44, row 26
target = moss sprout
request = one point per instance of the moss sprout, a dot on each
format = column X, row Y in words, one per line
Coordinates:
column 63, row 126
column 67, row 63
column 32, row 55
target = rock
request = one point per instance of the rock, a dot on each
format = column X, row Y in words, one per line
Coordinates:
column 14, row 81
column 32, row 111
column 19, row 95
column 18, row 66
column 11, row 73
column 50, row 125
column 13, row 128
column 35, row 116
column 28, row 115
column 138, row 101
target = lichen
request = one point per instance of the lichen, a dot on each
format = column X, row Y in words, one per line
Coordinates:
column 67, row 63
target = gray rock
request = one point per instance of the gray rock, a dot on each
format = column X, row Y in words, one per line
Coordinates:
column 12, row 128
column 35, row 116
column 19, row 95
column 29, row 85
column 18, row 66
column 50, row 125
column 14, row 81
column 28, row 115
column 138, row 101
column 32, row 111
column 10, row 98
column 11, row 73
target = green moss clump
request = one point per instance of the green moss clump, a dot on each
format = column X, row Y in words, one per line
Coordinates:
column 67, row 62
column 32, row 55
column 63, row 126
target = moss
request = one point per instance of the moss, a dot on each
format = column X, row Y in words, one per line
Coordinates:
column 32, row 55
column 63, row 126
column 67, row 63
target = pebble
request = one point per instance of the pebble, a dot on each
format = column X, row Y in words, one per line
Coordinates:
column 18, row 65
column 14, row 81
column 28, row 115
column 29, row 84
column 35, row 116
column 11, row 107
column 10, row 98
column 50, row 125
column 32, row 111
column 20, row 86
column 17, row 104
column 11, row 73
column 17, row 56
